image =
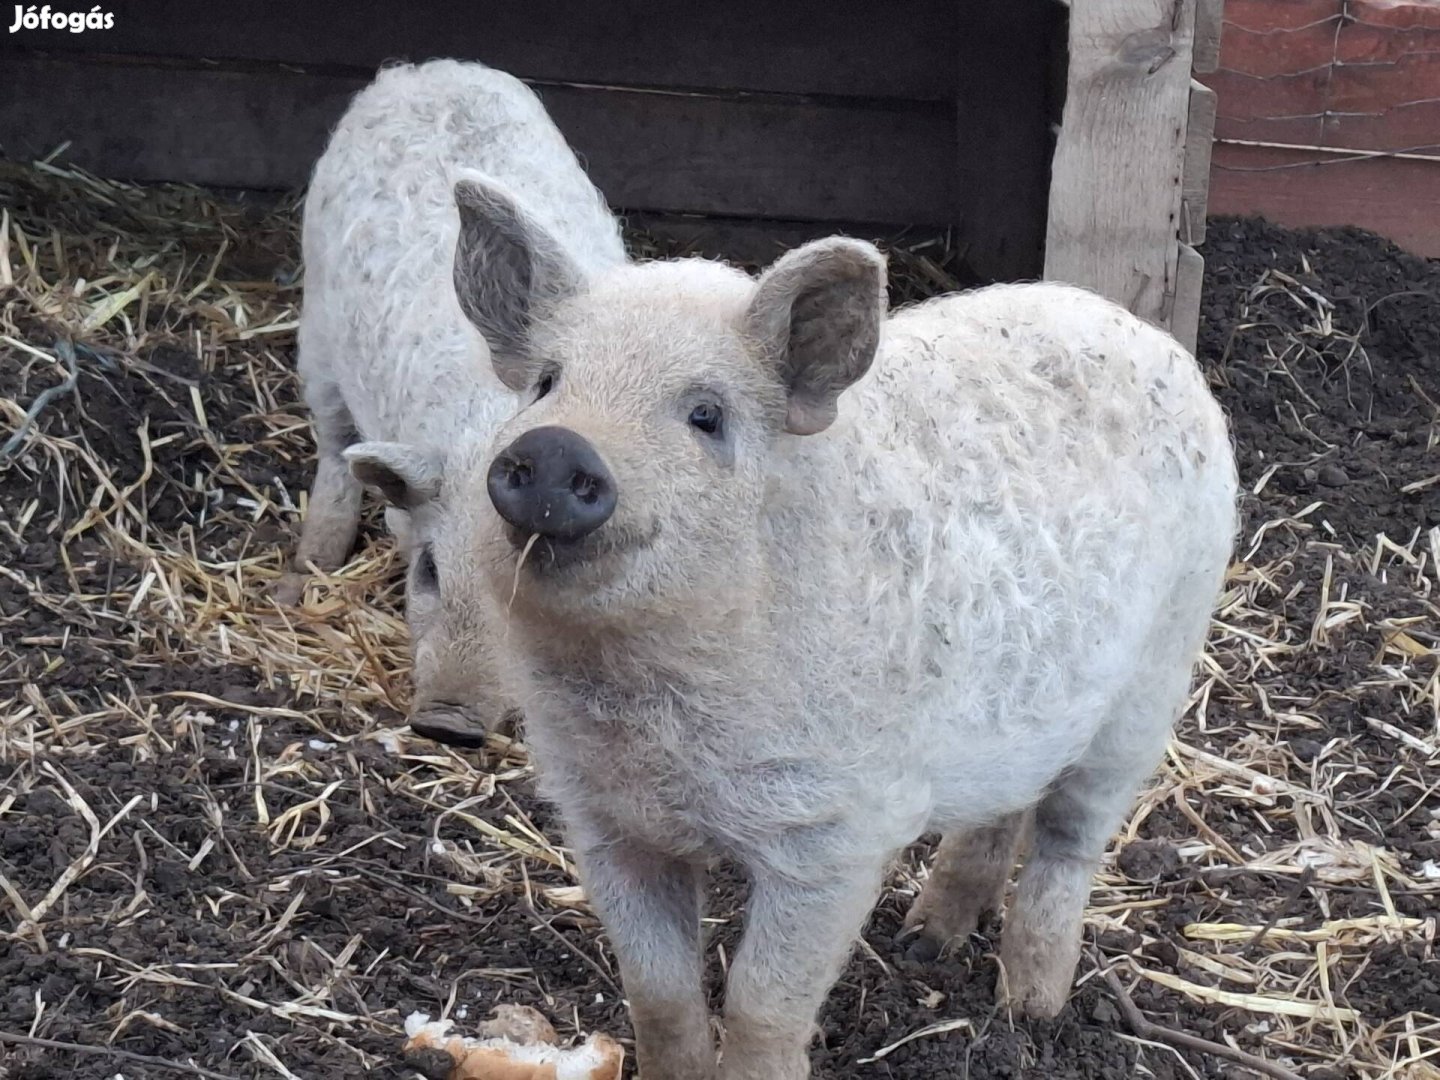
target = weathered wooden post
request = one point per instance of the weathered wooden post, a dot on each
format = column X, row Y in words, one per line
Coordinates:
column 1131, row 168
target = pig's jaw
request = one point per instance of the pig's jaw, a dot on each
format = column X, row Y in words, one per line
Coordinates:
column 600, row 580
column 633, row 644
column 606, row 551
column 629, row 606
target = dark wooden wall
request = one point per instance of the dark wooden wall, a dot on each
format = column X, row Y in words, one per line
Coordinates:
column 931, row 113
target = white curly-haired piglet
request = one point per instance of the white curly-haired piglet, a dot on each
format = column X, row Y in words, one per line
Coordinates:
column 765, row 603
column 385, row 352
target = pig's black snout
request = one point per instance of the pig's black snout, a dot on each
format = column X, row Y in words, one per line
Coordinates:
column 551, row 481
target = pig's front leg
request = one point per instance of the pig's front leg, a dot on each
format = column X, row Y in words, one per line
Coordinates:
column 650, row 905
column 797, row 938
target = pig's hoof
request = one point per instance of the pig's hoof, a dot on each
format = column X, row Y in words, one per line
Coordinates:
column 1039, row 1003
column 1035, row 984
column 289, row 588
column 942, row 917
column 924, row 950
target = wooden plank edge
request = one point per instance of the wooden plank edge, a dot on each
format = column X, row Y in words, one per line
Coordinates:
column 1209, row 22
column 1195, row 178
column 1185, row 305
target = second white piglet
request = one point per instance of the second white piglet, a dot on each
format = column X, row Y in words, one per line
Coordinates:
column 386, row 354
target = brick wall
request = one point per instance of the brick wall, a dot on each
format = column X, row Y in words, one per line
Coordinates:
column 1308, row 91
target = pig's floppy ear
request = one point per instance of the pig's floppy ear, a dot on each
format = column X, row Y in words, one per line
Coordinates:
column 405, row 475
column 816, row 316
column 505, row 267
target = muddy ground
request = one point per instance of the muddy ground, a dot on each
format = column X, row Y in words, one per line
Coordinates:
column 244, row 861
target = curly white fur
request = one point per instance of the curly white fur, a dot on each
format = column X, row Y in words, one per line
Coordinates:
column 380, row 315
column 384, row 350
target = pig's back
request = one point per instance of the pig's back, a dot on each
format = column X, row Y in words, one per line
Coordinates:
column 1032, row 485
column 380, row 317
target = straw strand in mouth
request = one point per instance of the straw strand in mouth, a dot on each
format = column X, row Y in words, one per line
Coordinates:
column 519, row 564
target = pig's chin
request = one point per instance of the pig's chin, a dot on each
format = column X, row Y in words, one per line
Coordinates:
column 591, row 560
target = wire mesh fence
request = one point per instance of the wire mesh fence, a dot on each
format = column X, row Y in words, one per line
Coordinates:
column 1329, row 113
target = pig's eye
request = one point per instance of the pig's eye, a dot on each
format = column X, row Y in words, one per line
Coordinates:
column 426, row 577
column 707, row 417
column 544, row 385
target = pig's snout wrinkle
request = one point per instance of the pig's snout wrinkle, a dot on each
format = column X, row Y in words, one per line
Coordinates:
column 551, row 482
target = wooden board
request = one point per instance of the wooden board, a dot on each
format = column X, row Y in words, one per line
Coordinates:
column 1195, row 183
column 1323, row 77
column 842, row 47
column 1300, row 188
column 1263, row 38
column 1185, row 306
column 804, row 160
column 1364, row 74
column 1382, row 106
column 1209, row 21
column 1115, row 183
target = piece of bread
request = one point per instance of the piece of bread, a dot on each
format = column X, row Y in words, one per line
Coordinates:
column 519, row 1046
column 518, row 1023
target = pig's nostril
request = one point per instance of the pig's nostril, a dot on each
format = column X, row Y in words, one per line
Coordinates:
column 519, row 475
column 585, row 487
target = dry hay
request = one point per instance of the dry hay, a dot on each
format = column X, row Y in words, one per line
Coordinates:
column 1254, row 891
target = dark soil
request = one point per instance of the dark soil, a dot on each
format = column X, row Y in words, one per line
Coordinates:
column 1349, row 418
column 150, row 955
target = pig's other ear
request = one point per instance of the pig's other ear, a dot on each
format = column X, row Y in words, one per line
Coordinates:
column 816, row 316
column 406, row 475
column 506, row 268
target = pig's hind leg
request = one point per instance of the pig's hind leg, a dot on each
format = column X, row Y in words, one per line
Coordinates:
column 967, row 880
column 333, row 515
column 1074, row 821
